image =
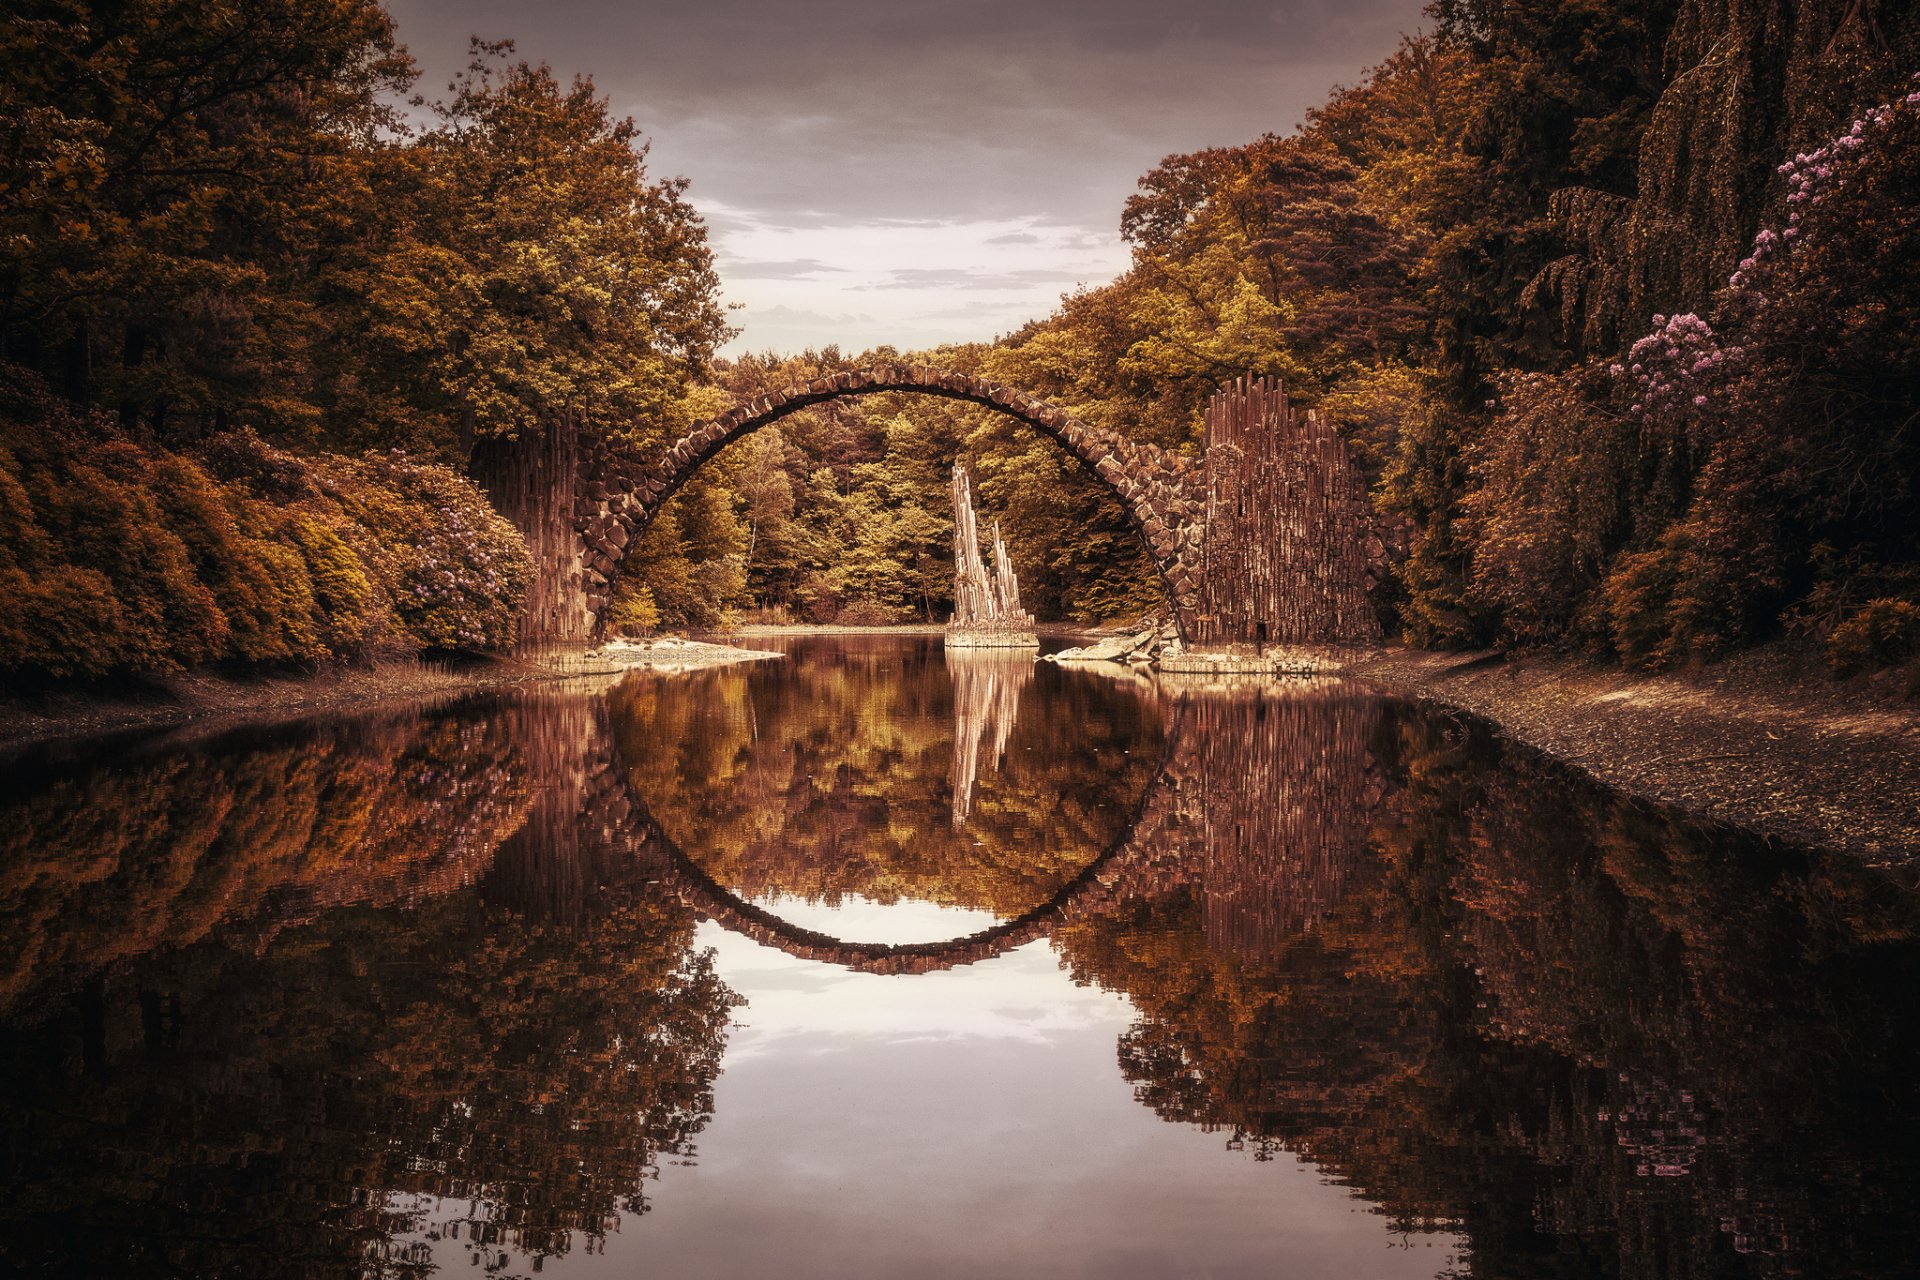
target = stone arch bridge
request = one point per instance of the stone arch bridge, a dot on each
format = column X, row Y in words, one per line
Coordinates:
column 1265, row 537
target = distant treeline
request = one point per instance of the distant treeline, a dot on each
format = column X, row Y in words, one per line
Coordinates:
column 1615, row 305
column 843, row 512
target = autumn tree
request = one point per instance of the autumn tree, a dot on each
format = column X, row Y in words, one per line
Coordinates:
column 545, row 286
column 173, row 179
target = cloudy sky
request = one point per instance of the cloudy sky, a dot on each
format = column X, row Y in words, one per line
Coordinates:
column 923, row 171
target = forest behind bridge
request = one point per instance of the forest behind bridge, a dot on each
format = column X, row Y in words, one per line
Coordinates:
column 1615, row 307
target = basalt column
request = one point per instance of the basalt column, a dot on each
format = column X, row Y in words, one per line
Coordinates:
column 986, row 604
column 1288, row 539
column 531, row 482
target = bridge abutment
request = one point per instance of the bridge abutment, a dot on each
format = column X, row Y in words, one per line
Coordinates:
column 531, row 481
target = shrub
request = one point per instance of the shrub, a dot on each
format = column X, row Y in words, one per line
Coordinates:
column 118, row 557
column 456, row 571
column 634, row 612
column 868, row 613
column 1882, row 633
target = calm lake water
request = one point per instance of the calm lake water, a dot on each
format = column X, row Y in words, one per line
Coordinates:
column 876, row 961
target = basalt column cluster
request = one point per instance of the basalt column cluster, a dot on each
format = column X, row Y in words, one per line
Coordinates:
column 986, row 603
column 1289, row 551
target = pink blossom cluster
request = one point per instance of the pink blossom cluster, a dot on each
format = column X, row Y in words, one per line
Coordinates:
column 455, row 577
column 1677, row 367
column 1812, row 176
column 452, row 590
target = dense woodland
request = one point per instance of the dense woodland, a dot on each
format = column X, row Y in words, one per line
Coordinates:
column 1614, row 305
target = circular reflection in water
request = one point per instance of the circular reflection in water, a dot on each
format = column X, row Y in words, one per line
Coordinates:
column 879, row 772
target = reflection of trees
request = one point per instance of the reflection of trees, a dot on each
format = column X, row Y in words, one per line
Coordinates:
column 833, row 776
column 503, row 1062
column 161, row 847
column 296, row 1004
column 1595, row 1040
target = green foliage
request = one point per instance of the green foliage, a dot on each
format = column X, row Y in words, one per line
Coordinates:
column 177, row 174
column 527, row 261
column 1448, row 255
column 1550, row 478
column 211, row 214
column 634, row 609
column 1736, row 472
column 839, row 514
column 217, row 216
column 691, row 559
column 127, row 558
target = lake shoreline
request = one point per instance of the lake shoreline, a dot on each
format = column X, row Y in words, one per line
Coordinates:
column 770, row 630
column 1765, row 740
column 210, row 701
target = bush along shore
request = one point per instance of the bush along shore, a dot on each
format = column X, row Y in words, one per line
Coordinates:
column 119, row 557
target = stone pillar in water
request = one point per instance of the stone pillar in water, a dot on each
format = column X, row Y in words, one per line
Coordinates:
column 986, row 606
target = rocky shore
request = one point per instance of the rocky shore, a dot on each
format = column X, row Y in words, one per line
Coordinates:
column 1765, row 740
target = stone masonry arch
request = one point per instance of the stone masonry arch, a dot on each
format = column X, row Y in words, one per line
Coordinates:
column 1162, row 492
column 1266, row 538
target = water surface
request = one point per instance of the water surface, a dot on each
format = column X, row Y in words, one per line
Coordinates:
column 874, row 961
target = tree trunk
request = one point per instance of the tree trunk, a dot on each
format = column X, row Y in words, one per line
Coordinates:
column 531, row 482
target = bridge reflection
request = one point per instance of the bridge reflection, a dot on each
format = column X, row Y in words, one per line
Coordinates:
column 1261, row 800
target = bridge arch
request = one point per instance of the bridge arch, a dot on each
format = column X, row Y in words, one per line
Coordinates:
column 1162, row 492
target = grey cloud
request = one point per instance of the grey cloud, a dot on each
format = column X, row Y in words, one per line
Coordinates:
column 934, row 108
column 795, row 269
column 974, row 311
column 962, row 278
column 802, row 115
column 800, row 315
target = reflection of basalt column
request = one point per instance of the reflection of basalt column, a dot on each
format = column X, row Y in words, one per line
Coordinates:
column 986, row 701
column 1277, row 790
column 985, row 605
